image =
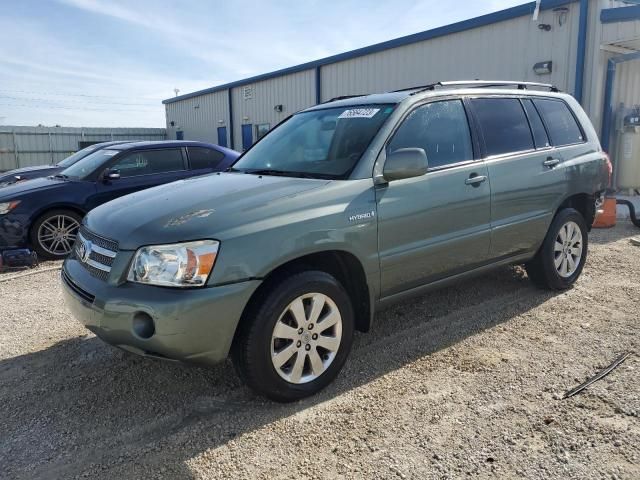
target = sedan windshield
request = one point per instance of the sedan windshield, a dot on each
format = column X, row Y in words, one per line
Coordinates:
column 320, row 143
column 70, row 160
column 89, row 164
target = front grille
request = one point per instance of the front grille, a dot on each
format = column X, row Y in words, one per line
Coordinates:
column 95, row 253
column 98, row 240
column 76, row 289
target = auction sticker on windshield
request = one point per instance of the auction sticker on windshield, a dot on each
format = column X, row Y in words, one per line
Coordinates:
column 359, row 113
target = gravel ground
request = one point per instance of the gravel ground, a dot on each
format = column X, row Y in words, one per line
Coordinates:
column 464, row 381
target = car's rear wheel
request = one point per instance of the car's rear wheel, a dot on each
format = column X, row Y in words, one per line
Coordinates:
column 560, row 260
column 296, row 337
column 54, row 233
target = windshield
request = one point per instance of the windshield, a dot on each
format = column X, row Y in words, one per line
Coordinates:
column 320, row 143
column 89, row 164
column 67, row 162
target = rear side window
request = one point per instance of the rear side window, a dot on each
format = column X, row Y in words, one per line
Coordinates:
column 561, row 123
column 201, row 158
column 441, row 129
column 150, row 162
column 537, row 127
column 504, row 125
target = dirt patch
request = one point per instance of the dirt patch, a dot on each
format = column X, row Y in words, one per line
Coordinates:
column 464, row 381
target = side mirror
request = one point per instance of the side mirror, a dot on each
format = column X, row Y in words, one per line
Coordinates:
column 405, row 163
column 112, row 174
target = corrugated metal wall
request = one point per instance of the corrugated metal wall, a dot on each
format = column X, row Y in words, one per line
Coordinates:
column 199, row 117
column 505, row 50
column 294, row 92
column 26, row 146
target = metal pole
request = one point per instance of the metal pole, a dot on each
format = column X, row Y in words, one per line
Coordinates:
column 15, row 149
column 51, row 149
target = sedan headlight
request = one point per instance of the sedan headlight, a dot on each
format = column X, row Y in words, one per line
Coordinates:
column 179, row 265
column 6, row 207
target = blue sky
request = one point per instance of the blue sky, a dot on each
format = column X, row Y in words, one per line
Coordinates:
column 109, row 63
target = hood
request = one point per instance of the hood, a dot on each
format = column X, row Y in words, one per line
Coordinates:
column 17, row 190
column 196, row 208
column 45, row 169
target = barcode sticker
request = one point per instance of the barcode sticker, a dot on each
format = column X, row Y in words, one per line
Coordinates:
column 359, row 113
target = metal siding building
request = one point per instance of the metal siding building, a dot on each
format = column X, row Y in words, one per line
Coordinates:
column 579, row 37
column 26, row 146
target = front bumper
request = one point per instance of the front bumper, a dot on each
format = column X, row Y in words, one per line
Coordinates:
column 194, row 325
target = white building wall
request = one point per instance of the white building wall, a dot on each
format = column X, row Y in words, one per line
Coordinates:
column 199, row 117
column 294, row 92
column 505, row 50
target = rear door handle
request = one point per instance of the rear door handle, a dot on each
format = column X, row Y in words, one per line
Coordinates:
column 475, row 180
column 551, row 162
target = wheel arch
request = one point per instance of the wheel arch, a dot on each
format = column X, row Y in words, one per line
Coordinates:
column 342, row 265
column 584, row 203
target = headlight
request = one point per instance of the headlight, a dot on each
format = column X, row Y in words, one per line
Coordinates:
column 6, row 207
column 179, row 265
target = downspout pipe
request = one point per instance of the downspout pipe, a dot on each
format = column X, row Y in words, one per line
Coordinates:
column 318, row 86
column 582, row 49
column 231, row 140
column 607, row 108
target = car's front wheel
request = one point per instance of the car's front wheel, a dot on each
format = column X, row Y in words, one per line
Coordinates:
column 296, row 337
column 54, row 233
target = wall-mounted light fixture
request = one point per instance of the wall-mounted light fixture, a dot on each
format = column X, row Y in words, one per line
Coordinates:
column 279, row 108
column 220, row 121
column 172, row 123
column 543, row 68
column 245, row 118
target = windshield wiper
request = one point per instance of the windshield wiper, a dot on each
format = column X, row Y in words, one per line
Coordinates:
column 61, row 175
column 285, row 173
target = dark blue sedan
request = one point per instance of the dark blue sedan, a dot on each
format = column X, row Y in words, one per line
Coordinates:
column 39, row 171
column 45, row 213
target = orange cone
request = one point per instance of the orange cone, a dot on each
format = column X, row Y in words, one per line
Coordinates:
column 607, row 217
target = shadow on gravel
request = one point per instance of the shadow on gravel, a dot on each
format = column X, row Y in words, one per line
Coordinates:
column 624, row 229
column 82, row 405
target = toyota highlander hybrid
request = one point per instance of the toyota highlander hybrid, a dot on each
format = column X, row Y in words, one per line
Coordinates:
column 344, row 208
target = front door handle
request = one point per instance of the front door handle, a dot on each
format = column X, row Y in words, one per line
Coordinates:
column 551, row 162
column 475, row 180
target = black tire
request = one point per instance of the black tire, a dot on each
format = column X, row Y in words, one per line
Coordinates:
column 252, row 349
column 40, row 247
column 541, row 269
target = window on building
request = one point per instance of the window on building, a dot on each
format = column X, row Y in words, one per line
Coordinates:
column 261, row 130
column 562, row 125
column 441, row 129
column 504, row 125
column 537, row 127
column 150, row 162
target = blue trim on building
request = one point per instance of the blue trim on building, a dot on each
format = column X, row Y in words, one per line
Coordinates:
column 500, row 16
column 620, row 14
column 231, row 140
column 318, row 86
column 607, row 108
column 582, row 49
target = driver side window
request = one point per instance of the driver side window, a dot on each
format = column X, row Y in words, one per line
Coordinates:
column 441, row 129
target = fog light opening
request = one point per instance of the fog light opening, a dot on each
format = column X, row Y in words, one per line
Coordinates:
column 143, row 325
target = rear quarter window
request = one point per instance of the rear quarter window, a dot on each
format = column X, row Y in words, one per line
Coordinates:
column 561, row 124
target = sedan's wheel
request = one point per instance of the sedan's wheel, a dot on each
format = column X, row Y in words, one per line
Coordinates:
column 562, row 256
column 306, row 338
column 54, row 233
column 295, row 336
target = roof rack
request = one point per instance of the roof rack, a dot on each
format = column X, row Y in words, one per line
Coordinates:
column 344, row 97
column 481, row 84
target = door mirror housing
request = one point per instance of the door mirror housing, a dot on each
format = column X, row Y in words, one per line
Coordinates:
column 405, row 163
column 111, row 174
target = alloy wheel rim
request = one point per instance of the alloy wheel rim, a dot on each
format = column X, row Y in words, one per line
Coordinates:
column 568, row 249
column 57, row 234
column 306, row 338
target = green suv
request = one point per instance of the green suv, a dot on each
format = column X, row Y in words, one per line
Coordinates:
column 344, row 208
